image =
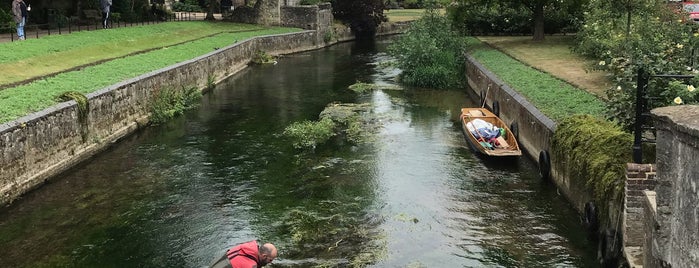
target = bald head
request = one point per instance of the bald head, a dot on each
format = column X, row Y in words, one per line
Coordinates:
column 268, row 253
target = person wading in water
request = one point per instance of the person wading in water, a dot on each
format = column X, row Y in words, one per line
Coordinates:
column 247, row 255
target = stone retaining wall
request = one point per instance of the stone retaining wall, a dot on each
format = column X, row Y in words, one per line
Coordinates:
column 41, row 145
column 534, row 128
column 674, row 238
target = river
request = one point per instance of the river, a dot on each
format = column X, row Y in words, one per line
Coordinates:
column 415, row 195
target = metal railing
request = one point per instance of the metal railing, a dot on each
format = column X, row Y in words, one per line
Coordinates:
column 9, row 34
column 643, row 107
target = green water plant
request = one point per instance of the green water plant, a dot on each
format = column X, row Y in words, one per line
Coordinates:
column 595, row 151
column 361, row 87
column 309, row 134
column 262, row 57
column 349, row 121
column 353, row 121
column 169, row 102
column 210, row 82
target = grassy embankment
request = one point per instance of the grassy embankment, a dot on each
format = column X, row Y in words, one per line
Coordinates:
column 553, row 95
column 110, row 56
column 546, row 72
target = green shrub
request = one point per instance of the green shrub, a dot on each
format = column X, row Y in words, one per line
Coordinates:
column 7, row 24
column 477, row 18
column 430, row 53
column 186, row 6
column 262, row 57
column 170, row 102
column 654, row 39
column 594, row 151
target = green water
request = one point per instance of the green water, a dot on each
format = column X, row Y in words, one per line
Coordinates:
column 178, row 195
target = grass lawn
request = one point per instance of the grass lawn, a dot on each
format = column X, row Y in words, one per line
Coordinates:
column 552, row 96
column 397, row 15
column 21, row 100
column 553, row 56
column 21, row 61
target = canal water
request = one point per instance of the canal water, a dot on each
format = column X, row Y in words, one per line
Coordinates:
column 415, row 195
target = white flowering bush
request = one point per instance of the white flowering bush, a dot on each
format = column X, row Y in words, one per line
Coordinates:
column 656, row 40
column 680, row 92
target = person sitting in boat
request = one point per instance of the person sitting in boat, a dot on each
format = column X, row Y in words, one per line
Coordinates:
column 247, row 255
column 483, row 130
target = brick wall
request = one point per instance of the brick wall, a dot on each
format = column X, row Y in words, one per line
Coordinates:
column 639, row 178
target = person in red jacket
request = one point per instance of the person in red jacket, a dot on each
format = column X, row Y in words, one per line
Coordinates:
column 247, row 255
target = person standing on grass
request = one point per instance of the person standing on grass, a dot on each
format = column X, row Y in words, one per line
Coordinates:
column 19, row 12
column 106, row 6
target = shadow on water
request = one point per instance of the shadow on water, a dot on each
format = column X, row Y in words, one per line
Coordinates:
column 179, row 194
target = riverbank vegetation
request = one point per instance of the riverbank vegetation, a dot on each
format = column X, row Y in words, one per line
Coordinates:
column 430, row 53
column 21, row 100
column 171, row 102
column 594, row 151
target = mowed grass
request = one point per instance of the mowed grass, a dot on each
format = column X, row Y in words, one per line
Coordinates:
column 553, row 55
column 398, row 15
column 21, row 100
column 552, row 96
column 21, row 61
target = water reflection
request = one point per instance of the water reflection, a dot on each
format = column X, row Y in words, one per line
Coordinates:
column 177, row 195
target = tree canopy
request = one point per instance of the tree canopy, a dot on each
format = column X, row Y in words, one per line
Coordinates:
column 363, row 16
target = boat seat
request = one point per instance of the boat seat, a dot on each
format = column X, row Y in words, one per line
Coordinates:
column 476, row 113
column 503, row 143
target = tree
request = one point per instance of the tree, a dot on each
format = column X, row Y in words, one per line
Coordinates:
column 212, row 4
column 363, row 16
column 537, row 9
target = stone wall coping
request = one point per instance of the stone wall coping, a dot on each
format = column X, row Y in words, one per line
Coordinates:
column 682, row 115
column 635, row 167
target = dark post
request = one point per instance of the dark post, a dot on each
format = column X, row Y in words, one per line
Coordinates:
column 641, row 83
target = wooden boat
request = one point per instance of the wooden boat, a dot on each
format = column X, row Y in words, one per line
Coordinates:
column 485, row 140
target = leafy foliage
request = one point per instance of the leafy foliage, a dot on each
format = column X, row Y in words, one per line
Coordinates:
column 170, row 102
column 310, row 134
column 349, row 122
column 129, row 10
column 430, row 53
column 363, row 16
column 83, row 109
column 634, row 35
column 594, row 151
column 479, row 17
column 361, row 87
column 186, row 6
column 262, row 57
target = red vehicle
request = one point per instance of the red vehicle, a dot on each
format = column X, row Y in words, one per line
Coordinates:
column 692, row 8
